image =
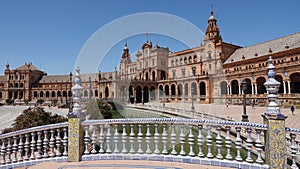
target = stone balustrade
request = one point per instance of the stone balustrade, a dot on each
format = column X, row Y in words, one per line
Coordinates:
column 33, row 145
column 206, row 142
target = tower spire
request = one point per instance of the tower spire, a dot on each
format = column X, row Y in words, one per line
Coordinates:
column 212, row 30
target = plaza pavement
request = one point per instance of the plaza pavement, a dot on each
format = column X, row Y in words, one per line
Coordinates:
column 122, row 164
column 235, row 112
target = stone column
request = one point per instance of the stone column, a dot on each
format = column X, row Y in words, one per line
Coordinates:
column 275, row 141
column 289, row 87
column 255, row 88
column 75, row 132
column 230, row 90
column 252, row 88
column 240, row 89
column 284, row 87
column 198, row 92
column 176, row 93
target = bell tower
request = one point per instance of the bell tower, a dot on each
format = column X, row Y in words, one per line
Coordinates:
column 212, row 30
column 124, row 62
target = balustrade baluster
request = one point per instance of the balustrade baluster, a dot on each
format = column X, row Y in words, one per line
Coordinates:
column 173, row 140
column 191, row 140
column 52, row 143
column 65, row 142
column 164, row 140
column 294, row 150
column 140, row 139
column 148, row 139
column 258, row 146
column 15, row 149
column 32, row 145
column 124, row 139
column 116, row 139
column 3, row 152
column 26, row 145
column 209, row 142
column 39, row 143
column 9, row 146
column 238, row 143
column 131, row 139
column 21, row 148
column 156, row 138
column 86, row 140
column 58, row 142
column 219, row 142
column 249, row 145
column 108, row 139
column 182, row 139
column 228, row 143
column 45, row 144
column 94, row 137
column 101, row 139
column 200, row 140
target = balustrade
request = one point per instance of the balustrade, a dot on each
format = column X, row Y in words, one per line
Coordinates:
column 195, row 139
column 27, row 145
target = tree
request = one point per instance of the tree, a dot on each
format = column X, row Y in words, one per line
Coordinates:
column 32, row 117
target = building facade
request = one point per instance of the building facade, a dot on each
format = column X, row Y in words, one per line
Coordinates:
column 209, row 73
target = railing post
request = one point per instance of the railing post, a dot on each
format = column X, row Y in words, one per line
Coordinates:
column 75, row 132
column 275, row 140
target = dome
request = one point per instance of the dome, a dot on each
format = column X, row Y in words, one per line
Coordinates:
column 212, row 17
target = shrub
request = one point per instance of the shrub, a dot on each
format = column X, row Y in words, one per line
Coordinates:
column 9, row 101
column 32, row 117
column 40, row 101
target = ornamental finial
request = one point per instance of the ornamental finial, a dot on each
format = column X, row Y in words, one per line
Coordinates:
column 272, row 86
column 77, row 92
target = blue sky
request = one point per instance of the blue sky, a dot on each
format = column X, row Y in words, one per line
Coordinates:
column 51, row 33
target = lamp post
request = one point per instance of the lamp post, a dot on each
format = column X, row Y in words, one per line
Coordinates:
column 70, row 102
column 193, row 107
column 244, row 116
column 90, row 88
column 61, row 93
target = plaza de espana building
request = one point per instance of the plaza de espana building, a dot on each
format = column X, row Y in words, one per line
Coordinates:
column 209, row 73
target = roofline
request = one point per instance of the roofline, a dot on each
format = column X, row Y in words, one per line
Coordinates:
column 263, row 57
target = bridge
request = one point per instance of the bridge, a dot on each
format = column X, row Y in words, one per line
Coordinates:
column 210, row 141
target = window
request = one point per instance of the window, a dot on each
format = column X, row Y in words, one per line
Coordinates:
column 181, row 61
column 182, row 72
column 209, row 66
column 195, row 58
column 209, row 55
column 174, row 74
column 176, row 62
column 194, row 71
column 153, row 62
column 172, row 62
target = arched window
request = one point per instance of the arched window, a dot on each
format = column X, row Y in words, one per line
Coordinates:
column 195, row 58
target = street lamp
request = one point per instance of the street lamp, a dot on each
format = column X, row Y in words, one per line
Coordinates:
column 70, row 102
column 61, row 93
column 193, row 107
column 244, row 116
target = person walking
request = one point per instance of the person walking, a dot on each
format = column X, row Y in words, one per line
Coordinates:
column 292, row 109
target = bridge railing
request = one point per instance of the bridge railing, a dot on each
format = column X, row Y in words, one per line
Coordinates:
column 168, row 139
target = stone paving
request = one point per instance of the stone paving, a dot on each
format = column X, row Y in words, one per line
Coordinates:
column 235, row 112
column 124, row 164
